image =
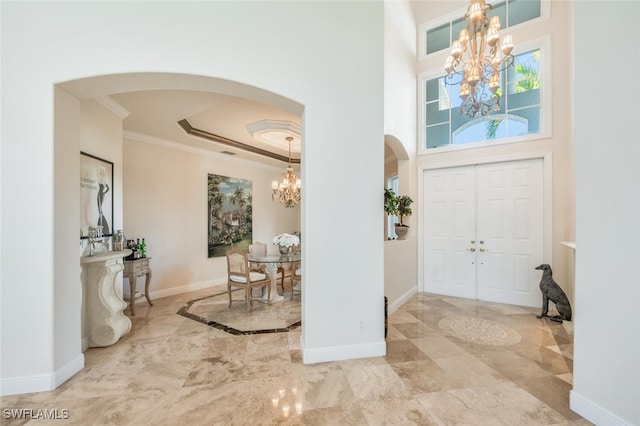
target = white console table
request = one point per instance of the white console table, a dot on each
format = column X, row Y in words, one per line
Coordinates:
column 104, row 321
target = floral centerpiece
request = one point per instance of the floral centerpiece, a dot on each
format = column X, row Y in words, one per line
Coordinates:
column 285, row 242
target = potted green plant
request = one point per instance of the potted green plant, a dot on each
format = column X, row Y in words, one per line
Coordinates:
column 390, row 202
column 400, row 206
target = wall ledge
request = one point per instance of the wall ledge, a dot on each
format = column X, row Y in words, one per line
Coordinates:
column 398, row 241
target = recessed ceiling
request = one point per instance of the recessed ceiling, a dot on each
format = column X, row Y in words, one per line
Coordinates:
column 156, row 113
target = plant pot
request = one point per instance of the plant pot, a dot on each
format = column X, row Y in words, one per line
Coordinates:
column 402, row 231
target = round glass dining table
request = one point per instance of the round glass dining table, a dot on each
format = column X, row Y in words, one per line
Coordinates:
column 271, row 263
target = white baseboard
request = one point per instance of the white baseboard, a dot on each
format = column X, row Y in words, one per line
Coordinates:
column 67, row 371
column 338, row 353
column 172, row 291
column 593, row 412
column 41, row 382
column 393, row 306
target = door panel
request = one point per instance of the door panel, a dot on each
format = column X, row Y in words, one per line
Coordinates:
column 510, row 222
column 449, row 206
column 484, row 231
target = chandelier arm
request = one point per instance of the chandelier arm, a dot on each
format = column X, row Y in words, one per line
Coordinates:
column 508, row 61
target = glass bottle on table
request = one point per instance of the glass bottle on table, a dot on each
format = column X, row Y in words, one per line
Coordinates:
column 143, row 248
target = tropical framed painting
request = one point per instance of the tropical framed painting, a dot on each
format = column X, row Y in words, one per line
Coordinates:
column 229, row 223
column 96, row 194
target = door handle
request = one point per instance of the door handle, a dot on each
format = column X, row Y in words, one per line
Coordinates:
column 481, row 241
column 484, row 249
column 472, row 249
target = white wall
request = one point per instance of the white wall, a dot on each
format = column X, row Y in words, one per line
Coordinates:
column 336, row 75
column 67, row 356
column 606, row 369
column 100, row 133
column 165, row 199
column 400, row 125
column 101, row 136
column 400, row 74
column 400, row 265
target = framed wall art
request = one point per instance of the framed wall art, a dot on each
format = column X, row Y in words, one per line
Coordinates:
column 229, row 214
column 96, row 194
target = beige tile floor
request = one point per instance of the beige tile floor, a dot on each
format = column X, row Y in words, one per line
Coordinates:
column 449, row 362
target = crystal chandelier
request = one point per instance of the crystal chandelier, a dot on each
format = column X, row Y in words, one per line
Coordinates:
column 476, row 61
column 288, row 190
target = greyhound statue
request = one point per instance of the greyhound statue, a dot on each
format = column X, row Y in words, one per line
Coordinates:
column 552, row 291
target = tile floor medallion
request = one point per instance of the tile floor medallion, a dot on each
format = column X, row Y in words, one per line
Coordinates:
column 214, row 311
column 478, row 330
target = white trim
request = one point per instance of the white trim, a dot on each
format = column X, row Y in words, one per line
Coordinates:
column 546, row 102
column 172, row 291
column 547, row 198
column 41, row 382
column 339, row 353
column 570, row 244
column 396, row 304
column 152, row 140
column 593, row 412
column 26, row 384
column 68, row 370
column 114, row 106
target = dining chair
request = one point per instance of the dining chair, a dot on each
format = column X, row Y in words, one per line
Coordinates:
column 296, row 278
column 240, row 275
column 259, row 249
column 286, row 272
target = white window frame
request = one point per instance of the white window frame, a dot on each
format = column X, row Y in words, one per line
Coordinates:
column 391, row 218
column 544, row 44
column 545, row 13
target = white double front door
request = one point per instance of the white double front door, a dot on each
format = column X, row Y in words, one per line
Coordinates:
column 483, row 231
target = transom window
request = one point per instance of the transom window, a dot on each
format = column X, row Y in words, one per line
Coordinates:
column 519, row 113
column 510, row 12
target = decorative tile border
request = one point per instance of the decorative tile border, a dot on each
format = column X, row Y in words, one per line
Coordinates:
column 184, row 311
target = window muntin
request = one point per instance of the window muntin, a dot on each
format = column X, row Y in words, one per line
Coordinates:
column 510, row 12
column 519, row 114
column 392, row 184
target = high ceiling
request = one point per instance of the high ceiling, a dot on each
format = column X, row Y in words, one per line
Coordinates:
column 220, row 123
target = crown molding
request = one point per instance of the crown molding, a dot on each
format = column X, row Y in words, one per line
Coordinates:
column 190, row 130
column 284, row 126
column 152, row 140
column 112, row 105
column 271, row 133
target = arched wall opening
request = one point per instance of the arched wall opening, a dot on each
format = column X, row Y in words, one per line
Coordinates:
column 343, row 113
column 68, row 137
column 399, row 255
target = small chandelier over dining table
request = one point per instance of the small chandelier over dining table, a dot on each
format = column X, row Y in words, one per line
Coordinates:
column 477, row 60
column 288, row 190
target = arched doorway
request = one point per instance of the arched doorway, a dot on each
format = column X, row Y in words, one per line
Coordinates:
column 69, row 129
